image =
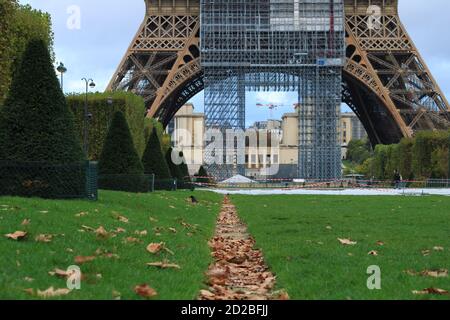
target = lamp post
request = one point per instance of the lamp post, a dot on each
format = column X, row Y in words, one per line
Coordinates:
column 89, row 84
column 62, row 69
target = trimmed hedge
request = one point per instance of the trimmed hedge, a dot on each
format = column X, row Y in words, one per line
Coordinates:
column 426, row 156
column 154, row 160
column 102, row 112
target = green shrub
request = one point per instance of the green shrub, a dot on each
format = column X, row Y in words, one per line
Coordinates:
column 202, row 176
column 103, row 106
column 175, row 170
column 36, row 126
column 153, row 159
column 427, row 158
column 120, row 167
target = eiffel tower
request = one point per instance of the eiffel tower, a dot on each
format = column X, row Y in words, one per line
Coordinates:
column 385, row 80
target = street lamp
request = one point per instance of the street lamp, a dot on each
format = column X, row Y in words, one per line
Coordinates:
column 89, row 84
column 62, row 69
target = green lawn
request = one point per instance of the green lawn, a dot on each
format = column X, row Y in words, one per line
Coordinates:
column 298, row 235
column 155, row 213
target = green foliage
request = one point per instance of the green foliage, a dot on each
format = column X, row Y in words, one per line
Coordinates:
column 35, row 122
column 120, row 167
column 359, row 151
column 103, row 106
column 153, row 159
column 164, row 138
column 175, row 170
column 423, row 157
column 19, row 24
column 429, row 154
column 405, row 158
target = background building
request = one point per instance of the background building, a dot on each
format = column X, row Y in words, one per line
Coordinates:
column 277, row 141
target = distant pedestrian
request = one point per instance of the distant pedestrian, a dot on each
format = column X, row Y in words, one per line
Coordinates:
column 397, row 179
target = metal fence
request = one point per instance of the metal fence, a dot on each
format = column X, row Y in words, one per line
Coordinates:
column 140, row 183
column 48, row 180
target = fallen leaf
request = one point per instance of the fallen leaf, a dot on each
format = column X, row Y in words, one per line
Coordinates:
column 329, row 227
column 87, row 228
column 46, row 238
column 59, row 273
column 438, row 248
column 426, row 253
column 116, row 295
column 123, row 219
column 153, row 219
column 380, row 243
column 18, row 235
column 173, row 230
column 81, row 214
column 51, row 293
column 347, row 242
column 145, row 291
column 373, row 253
column 433, row 291
column 26, row 222
column 83, row 259
column 171, row 207
column 132, row 240
column 155, row 247
column 121, row 230
column 44, row 211
column 164, row 265
column 141, row 233
column 101, row 232
column 28, row 279
column 442, row 273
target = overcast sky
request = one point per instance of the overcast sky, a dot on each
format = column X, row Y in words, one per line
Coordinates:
column 108, row 26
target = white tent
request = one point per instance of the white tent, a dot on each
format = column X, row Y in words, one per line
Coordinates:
column 238, row 179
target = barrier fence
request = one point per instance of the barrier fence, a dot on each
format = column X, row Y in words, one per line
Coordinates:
column 323, row 184
column 47, row 180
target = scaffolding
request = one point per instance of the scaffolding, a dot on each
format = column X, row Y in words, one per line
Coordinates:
column 275, row 45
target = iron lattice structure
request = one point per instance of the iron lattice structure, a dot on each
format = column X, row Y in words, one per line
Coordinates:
column 275, row 45
column 384, row 78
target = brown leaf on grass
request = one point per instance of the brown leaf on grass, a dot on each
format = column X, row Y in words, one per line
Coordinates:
column 45, row 238
column 59, row 273
column 347, row 242
column 142, row 233
column 18, row 235
column 87, row 228
column 380, row 243
column 26, row 222
column 173, row 230
column 84, row 259
column 123, row 219
column 101, row 232
column 28, row 279
column 172, row 207
column 51, row 293
column 441, row 273
column 426, row 253
column 373, row 253
column 154, row 248
column 432, row 291
column 30, row 291
column 145, row 291
column 81, row 214
column 153, row 219
column 438, row 248
column 164, row 265
column 132, row 240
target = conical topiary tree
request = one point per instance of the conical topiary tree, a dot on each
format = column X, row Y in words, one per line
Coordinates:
column 35, row 122
column 202, row 176
column 37, row 126
column 174, row 169
column 184, row 168
column 120, row 167
column 153, row 159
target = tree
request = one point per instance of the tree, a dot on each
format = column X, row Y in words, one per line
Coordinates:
column 120, row 167
column 358, row 151
column 175, row 170
column 35, row 122
column 153, row 159
column 19, row 24
column 184, row 168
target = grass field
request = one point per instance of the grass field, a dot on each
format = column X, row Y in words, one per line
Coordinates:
column 299, row 237
column 120, row 264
